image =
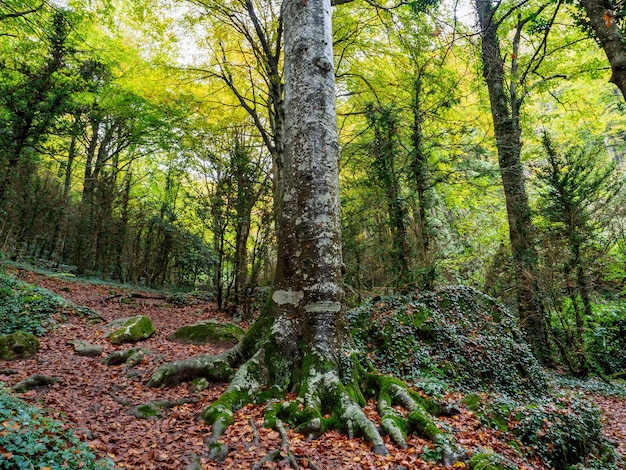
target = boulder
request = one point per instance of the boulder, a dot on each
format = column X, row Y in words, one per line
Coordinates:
column 18, row 345
column 129, row 330
column 84, row 348
column 209, row 331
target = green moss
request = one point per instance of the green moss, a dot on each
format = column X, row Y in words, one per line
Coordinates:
column 18, row 345
column 147, row 411
column 132, row 330
column 421, row 423
column 272, row 393
column 209, row 331
column 221, row 410
column 488, row 461
column 472, row 402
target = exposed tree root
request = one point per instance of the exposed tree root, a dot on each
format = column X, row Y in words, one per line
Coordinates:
column 33, row 381
column 329, row 396
column 284, row 453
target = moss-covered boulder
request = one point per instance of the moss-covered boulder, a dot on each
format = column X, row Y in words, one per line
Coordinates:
column 209, row 331
column 129, row 330
column 18, row 345
column 455, row 333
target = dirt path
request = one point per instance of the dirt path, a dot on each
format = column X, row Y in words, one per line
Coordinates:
column 90, row 396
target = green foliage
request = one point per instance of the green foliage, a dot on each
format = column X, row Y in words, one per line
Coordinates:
column 454, row 333
column 30, row 440
column 28, row 308
column 605, row 337
column 564, row 430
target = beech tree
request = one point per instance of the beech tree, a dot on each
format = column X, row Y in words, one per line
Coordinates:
column 301, row 341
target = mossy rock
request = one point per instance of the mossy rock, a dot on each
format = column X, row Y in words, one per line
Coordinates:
column 209, row 331
column 147, row 411
column 18, row 345
column 129, row 330
column 489, row 461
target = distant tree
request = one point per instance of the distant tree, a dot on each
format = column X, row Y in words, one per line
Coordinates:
column 577, row 187
column 384, row 151
column 605, row 19
column 33, row 94
column 506, row 100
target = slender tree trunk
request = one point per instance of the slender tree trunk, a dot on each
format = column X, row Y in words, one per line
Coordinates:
column 610, row 37
column 421, row 182
column 385, row 124
column 505, row 114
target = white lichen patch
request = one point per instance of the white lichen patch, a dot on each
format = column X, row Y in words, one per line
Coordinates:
column 291, row 297
column 323, row 306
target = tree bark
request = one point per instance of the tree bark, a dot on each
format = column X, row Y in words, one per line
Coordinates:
column 505, row 115
column 422, row 183
column 301, row 341
column 610, row 37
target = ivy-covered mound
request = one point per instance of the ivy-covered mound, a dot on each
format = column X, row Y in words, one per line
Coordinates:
column 24, row 307
column 30, row 439
column 459, row 336
column 456, row 334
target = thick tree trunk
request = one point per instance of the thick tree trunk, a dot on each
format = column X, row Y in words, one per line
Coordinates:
column 301, row 341
column 610, row 37
column 505, row 114
column 308, row 283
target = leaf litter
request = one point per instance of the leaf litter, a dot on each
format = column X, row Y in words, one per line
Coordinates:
column 94, row 399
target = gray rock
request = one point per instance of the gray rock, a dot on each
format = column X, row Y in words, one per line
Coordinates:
column 84, row 348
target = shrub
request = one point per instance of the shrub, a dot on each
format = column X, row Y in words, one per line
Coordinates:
column 564, row 430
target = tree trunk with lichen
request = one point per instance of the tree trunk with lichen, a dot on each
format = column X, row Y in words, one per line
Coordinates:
column 602, row 21
column 505, row 109
column 301, row 341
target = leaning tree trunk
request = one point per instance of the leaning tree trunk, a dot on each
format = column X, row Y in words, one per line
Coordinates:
column 505, row 114
column 301, row 341
column 609, row 35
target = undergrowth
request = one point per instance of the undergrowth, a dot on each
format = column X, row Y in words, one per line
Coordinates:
column 31, row 440
column 454, row 334
column 564, row 430
column 463, row 338
column 24, row 307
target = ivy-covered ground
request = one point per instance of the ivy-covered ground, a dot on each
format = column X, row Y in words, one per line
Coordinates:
column 499, row 412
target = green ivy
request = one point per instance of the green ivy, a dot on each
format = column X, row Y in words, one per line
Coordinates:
column 31, row 440
column 28, row 308
column 454, row 334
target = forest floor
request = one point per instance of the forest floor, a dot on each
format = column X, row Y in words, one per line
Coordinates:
column 93, row 398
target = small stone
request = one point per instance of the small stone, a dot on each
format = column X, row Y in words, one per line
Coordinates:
column 84, row 348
